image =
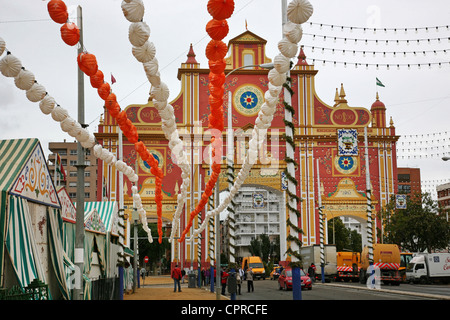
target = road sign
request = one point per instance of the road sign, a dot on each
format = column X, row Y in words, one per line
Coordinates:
column 145, row 259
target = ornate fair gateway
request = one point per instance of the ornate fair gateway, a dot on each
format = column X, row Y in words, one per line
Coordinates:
column 322, row 150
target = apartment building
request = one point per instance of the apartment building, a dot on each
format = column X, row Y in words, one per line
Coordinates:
column 69, row 158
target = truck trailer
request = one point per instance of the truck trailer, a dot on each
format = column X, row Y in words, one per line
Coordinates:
column 311, row 254
column 428, row 268
column 386, row 258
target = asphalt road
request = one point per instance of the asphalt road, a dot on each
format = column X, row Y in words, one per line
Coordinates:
column 268, row 290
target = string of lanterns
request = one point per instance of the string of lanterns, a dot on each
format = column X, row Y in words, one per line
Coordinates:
column 87, row 63
column 145, row 52
column 215, row 52
column 10, row 66
column 277, row 77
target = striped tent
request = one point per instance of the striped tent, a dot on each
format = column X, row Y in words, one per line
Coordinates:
column 12, row 160
column 28, row 201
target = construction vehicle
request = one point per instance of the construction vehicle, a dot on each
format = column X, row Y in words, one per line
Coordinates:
column 386, row 264
column 429, row 267
column 405, row 258
column 348, row 266
column 311, row 254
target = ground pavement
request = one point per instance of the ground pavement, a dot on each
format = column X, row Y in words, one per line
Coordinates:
column 161, row 288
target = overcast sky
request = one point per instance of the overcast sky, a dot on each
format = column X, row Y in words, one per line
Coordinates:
column 416, row 99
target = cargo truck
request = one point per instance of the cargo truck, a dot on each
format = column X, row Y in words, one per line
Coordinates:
column 348, row 266
column 311, row 254
column 429, row 267
column 386, row 258
column 257, row 266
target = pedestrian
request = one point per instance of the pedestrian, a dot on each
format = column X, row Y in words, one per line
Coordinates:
column 202, row 274
column 249, row 277
column 176, row 276
column 183, row 273
column 312, row 272
column 223, row 280
column 238, row 281
column 207, row 275
column 143, row 275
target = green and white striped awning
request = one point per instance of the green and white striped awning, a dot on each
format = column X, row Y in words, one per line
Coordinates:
column 108, row 211
column 13, row 156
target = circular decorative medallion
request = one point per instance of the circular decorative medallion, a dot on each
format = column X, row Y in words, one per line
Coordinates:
column 247, row 99
column 345, row 164
column 157, row 155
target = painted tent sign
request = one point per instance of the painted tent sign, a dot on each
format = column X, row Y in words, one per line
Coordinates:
column 347, row 142
column 93, row 222
column 34, row 182
column 68, row 210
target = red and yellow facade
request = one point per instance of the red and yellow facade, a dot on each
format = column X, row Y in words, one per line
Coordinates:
column 342, row 181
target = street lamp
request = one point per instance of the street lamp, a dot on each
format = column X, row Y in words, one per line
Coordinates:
column 445, row 158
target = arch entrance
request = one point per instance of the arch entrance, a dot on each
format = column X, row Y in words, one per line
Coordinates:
column 347, row 201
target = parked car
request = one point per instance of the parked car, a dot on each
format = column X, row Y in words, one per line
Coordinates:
column 275, row 273
column 285, row 280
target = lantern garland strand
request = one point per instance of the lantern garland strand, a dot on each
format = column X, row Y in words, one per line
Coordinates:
column 145, row 52
column 35, row 92
column 216, row 51
column 277, row 78
column 87, row 63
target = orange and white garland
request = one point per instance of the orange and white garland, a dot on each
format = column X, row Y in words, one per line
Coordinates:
column 216, row 51
column 145, row 52
column 88, row 64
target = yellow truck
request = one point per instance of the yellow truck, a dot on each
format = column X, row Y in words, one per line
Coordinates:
column 386, row 258
column 257, row 266
column 348, row 266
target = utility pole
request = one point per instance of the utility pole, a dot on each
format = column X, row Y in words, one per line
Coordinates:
column 217, row 226
column 79, row 226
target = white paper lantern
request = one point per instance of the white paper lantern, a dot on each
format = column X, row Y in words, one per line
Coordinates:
column 10, row 66
column 161, row 92
column 81, row 135
column 299, row 11
column 36, row 93
column 98, row 150
column 276, row 78
column 47, row 104
column 2, row 46
column 133, row 10
column 281, row 63
column 120, row 165
column 287, row 48
column 67, row 124
column 167, row 112
column 24, row 80
column 293, row 32
column 154, row 80
column 138, row 33
column 89, row 143
column 144, row 53
column 274, row 90
column 151, row 67
column 59, row 114
column 160, row 105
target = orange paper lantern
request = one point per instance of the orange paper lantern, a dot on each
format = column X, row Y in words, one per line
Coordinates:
column 70, row 33
column 110, row 101
column 115, row 110
column 58, row 11
column 97, row 79
column 216, row 91
column 217, row 29
column 216, row 50
column 104, row 90
column 87, row 63
column 220, row 9
column 217, row 66
column 216, row 79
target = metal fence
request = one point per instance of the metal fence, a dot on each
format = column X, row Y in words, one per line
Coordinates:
column 105, row 289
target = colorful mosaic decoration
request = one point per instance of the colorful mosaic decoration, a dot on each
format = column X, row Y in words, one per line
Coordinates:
column 248, row 99
column 347, row 142
column 35, row 182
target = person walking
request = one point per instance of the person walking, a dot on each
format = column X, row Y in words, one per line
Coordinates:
column 312, row 272
column 238, row 281
column 207, row 276
column 176, row 276
column 249, row 277
column 223, row 280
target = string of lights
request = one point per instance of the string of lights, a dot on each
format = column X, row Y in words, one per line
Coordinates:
column 334, row 27
column 388, row 66
column 376, row 41
column 375, row 53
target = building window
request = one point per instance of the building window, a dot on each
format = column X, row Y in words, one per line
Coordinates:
column 72, row 174
column 72, row 194
column 73, row 152
column 248, row 60
column 87, row 184
column 404, row 188
column 404, row 178
column 73, row 163
column 87, row 173
column 87, row 195
column 72, row 184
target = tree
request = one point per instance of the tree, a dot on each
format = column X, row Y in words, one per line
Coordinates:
column 421, row 226
column 338, row 234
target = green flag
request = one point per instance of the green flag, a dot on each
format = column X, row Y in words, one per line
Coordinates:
column 379, row 83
